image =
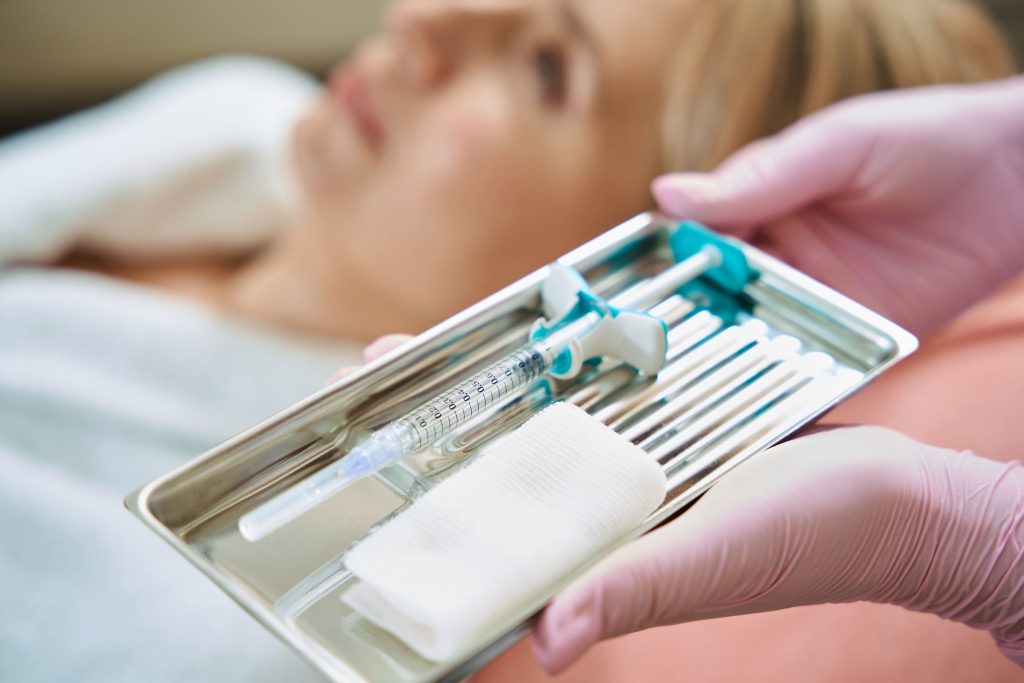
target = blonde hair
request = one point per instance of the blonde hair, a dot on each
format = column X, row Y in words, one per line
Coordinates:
column 748, row 68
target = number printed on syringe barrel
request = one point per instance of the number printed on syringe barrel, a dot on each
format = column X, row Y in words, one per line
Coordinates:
column 454, row 407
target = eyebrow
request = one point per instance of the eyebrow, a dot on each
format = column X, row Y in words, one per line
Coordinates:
column 571, row 17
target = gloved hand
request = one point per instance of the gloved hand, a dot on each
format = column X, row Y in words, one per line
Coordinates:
column 851, row 514
column 911, row 202
column 378, row 347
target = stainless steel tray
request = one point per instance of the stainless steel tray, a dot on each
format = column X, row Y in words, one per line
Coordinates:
column 721, row 399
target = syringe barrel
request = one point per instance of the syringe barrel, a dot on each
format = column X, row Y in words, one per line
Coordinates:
column 443, row 413
column 386, row 446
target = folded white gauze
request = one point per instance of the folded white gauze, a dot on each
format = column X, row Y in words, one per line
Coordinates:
column 494, row 537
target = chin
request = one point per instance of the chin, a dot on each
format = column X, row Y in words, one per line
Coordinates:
column 303, row 140
column 320, row 153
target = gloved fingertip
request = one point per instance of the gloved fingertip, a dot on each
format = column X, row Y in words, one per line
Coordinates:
column 374, row 349
column 543, row 654
column 704, row 198
column 679, row 194
column 382, row 345
column 563, row 634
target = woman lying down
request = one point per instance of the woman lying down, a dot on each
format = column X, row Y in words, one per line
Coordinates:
column 198, row 254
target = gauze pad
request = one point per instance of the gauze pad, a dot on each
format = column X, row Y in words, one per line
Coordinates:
column 494, row 537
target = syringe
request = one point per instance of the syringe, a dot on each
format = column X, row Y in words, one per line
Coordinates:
column 454, row 407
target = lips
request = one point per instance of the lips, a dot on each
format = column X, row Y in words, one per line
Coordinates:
column 351, row 90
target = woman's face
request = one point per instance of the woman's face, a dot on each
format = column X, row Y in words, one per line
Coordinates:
column 476, row 140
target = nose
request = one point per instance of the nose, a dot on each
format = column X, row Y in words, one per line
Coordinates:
column 434, row 38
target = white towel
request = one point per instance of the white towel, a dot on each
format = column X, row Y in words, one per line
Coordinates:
column 193, row 162
column 468, row 555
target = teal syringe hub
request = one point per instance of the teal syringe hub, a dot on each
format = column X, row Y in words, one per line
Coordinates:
column 719, row 288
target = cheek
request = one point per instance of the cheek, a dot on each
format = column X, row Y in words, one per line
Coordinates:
column 473, row 194
column 488, row 203
column 496, row 197
column 466, row 176
column 468, row 161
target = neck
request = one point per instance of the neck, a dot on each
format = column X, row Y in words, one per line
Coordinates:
column 295, row 284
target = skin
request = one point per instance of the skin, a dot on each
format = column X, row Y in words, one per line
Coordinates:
column 502, row 139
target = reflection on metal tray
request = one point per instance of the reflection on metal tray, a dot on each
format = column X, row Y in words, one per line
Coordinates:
column 733, row 385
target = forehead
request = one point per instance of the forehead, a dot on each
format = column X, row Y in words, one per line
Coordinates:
column 634, row 34
column 636, row 40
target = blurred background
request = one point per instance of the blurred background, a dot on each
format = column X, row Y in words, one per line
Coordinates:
column 57, row 56
column 60, row 55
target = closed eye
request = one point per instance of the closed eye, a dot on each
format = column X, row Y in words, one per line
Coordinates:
column 549, row 63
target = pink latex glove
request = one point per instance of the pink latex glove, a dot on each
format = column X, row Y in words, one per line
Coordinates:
column 851, row 514
column 911, row 202
column 371, row 352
